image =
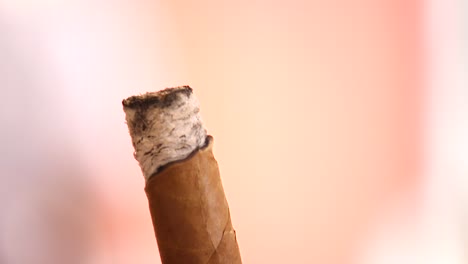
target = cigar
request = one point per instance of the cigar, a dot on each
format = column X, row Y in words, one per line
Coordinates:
column 186, row 199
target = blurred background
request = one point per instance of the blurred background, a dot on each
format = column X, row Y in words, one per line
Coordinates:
column 340, row 126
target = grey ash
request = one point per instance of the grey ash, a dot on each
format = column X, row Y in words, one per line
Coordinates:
column 161, row 99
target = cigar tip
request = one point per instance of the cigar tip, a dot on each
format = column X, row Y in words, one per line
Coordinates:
column 164, row 126
column 161, row 99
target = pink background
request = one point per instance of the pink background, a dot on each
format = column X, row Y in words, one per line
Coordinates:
column 318, row 110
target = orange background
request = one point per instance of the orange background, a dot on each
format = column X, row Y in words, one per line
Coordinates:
column 314, row 107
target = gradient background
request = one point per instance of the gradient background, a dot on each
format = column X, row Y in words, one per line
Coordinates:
column 340, row 126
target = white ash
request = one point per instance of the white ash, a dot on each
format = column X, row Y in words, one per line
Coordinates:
column 165, row 126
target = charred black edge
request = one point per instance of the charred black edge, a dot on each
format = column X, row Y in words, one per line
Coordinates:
column 208, row 140
column 162, row 99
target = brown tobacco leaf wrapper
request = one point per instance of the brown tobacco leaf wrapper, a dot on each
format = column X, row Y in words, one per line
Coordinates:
column 186, row 198
column 190, row 213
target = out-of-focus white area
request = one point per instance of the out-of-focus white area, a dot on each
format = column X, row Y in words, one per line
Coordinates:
column 439, row 235
column 64, row 66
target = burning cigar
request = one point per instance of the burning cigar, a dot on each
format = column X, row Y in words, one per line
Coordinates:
column 188, row 207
